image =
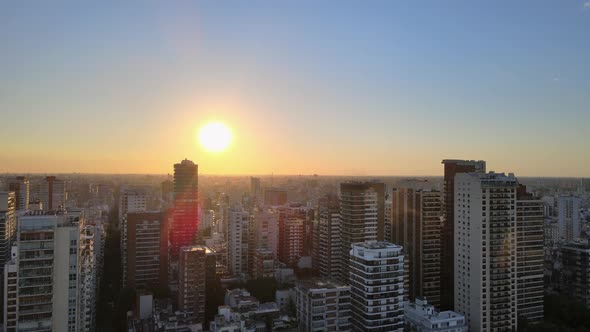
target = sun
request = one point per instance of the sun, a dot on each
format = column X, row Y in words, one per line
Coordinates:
column 215, row 137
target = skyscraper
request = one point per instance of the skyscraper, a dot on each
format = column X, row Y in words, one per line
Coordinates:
column 485, row 247
column 192, row 281
column 237, row 240
column 53, row 193
column 255, row 190
column 416, row 225
column 7, row 224
column 20, row 186
column 358, row 212
column 46, row 285
column 328, row 246
column 185, row 223
column 377, row 286
column 530, row 222
column 145, row 251
column 568, row 214
column 452, row 167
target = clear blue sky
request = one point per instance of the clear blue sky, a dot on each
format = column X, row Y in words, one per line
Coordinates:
column 328, row 87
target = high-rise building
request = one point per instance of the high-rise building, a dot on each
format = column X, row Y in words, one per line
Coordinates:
column 575, row 260
column 185, row 223
column 255, row 190
column 422, row 316
column 7, row 224
column 485, row 248
column 377, row 286
column 322, row 305
column 131, row 200
column 358, row 213
column 20, row 186
column 237, row 241
column 328, row 246
column 193, row 269
column 45, row 282
column 263, row 263
column 275, row 196
column 145, row 250
column 88, row 276
column 264, row 230
column 291, row 236
column 416, row 226
column 530, row 217
column 568, row 213
column 452, row 167
column 53, row 193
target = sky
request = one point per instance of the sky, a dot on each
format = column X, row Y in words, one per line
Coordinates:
column 307, row 87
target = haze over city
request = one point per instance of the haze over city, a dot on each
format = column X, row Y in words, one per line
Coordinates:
column 336, row 87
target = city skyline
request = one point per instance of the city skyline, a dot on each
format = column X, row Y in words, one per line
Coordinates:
column 306, row 88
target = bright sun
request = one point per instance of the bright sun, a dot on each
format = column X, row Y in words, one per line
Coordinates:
column 215, row 136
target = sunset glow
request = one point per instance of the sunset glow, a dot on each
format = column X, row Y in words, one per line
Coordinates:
column 215, row 137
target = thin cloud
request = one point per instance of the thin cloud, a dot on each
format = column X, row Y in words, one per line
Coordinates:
column 587, row 4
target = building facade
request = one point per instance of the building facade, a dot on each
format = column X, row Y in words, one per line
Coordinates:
column 377, row 286
column 416, row 226
column 237, row 241
column 184, row 213
column 328, row 245
column 422, row 316
column 21, row 187
column 323, row 305
column 568, row 214
column 452, row 167
column 485, row 247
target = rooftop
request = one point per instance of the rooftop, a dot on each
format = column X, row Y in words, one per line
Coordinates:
column 377, row 245
column 320, row 284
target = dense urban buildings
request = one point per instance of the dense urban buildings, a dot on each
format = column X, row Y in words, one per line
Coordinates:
column 358, row 213
column 145, row 250
column 416, row 226
column 452, row 167
column 275, row 196
column 422, row 316
column 485, row 261
column 184, row 214
column 323, row 305
column 377, row 286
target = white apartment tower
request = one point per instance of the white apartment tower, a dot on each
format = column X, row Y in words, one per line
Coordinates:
column 237, row 242
column 485, row 250
column 46, row 282
column 377, row 286
column 568, row 213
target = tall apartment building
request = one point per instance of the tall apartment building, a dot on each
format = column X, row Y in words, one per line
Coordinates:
column 8, row 224
column 185, row 221
column 575, row 260
column 145, row 250
column 131, row 200
column 88, row 276
column 322, row 305
column 452, row 167
column 264, row 230
column 530, row 216
column 21, row 187
column 291, row 238
column 358, row 213
column 237, row 241
column 46, row 288
column 263, row 263
column 416, row 226
column 255, row 190
column 275, row 196
column 568, row 213
column 485, row 247
column 328, row 246
column 52, row 193
column 377, row 286
column 193, row 269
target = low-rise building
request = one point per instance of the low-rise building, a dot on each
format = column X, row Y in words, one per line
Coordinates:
column 421, row 316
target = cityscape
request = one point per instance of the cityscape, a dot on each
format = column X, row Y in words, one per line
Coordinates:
column 295, row 166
